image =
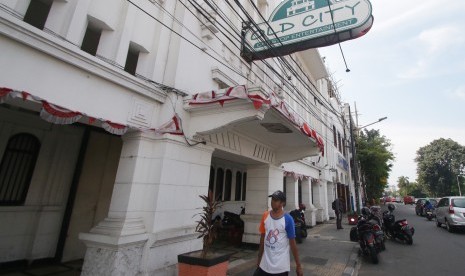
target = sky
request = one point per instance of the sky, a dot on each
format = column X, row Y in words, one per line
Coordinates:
column 409, row 67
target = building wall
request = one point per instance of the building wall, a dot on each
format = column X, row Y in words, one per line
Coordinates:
column 159, row 177
column 31, row 231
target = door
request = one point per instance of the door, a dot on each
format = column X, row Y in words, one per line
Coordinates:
column 94, row 190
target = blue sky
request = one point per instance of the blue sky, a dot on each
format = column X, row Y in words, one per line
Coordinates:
column 409, row 67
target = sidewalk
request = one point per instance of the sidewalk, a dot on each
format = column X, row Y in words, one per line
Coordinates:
column 325, row 252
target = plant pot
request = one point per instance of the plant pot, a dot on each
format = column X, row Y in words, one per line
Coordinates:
column 214, row 264
column 353, row 219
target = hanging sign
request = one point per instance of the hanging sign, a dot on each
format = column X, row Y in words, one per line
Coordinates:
column 297, row 25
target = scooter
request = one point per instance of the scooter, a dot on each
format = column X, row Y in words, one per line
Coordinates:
column 429, row 214
column 397, row 229
column 370, row 245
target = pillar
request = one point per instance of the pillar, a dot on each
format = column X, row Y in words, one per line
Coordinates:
column 151, row 218
column 262, row 180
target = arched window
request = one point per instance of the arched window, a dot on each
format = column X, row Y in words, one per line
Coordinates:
column 238, row 193
column 16, row 168
column 227, row 186
column 244, row 187
column 212, row 180
column 219, row 183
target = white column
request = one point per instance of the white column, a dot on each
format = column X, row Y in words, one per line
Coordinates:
column 262, row 180
column 310, row 213
column 151, row 216
column 292, row 193
column 115, row 245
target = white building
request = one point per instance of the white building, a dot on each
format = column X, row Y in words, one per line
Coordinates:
column 107, row 137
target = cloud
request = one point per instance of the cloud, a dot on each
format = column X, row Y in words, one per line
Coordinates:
column 440, row 39
column 427, row 52
column 459, row 93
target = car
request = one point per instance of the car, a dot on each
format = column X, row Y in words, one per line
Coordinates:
column 451, row 212
column 409, row 200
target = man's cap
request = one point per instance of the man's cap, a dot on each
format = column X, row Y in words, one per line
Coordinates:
column 278, row 195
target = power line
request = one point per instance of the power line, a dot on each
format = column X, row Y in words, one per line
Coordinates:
column 274, row 71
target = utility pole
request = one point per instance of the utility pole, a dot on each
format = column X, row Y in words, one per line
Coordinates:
column 354, row 159
column 458, row 184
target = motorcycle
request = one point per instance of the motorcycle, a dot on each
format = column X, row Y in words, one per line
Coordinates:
column 300, row 225
column 397, row 229
column 429, row 214
column 369, row 234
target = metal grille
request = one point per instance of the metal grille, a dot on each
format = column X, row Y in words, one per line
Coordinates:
column 16, row 168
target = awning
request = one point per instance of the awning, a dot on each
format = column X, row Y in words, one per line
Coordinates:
column 255, row 114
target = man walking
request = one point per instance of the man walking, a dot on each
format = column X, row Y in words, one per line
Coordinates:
column 277, row 236
column 337, row 207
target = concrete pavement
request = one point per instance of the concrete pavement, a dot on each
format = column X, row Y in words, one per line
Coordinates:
column 326, row 251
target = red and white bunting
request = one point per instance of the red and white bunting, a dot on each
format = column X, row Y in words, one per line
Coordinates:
column 295, row 175
column 114, row 128
column 58, row 115
column 173, row 126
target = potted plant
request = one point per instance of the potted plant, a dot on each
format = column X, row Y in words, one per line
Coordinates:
column 205, row 261
column 352, row 216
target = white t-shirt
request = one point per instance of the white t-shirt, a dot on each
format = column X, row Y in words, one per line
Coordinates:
column 276, row 258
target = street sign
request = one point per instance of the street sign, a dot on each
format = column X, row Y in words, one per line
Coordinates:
column 297, row 25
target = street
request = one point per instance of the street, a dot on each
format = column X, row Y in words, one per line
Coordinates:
column 434, row 251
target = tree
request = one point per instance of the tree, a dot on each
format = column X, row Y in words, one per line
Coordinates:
column 438, row 166
column 375, row 156
column 410, row 188
column 403, row 184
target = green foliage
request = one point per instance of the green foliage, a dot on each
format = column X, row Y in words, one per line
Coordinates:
column 438, row 165
column 206, row 226
column 375, row 157
column 407, row 188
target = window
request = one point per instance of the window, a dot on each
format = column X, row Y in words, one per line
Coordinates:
column 212, row 180
column 37, row 13
column 16, row 168
column 219, row 183
column 244, row 187
column 238, row 192
column 131, row 61
column 340, row 141
column 284, row 185
column 334, row 136
column 227, row 186
column 91, row 40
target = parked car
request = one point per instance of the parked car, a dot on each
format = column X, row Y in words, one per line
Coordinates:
column 419, row 206
column 451, row 212
column 409, row 200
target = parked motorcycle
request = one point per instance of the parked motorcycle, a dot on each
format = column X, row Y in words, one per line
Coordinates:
column 300, row 225
column 369, row 235
column 397, row 229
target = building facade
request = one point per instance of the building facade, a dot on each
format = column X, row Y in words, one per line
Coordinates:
column 117, row 115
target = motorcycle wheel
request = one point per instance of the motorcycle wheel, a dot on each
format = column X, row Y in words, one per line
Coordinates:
column 373, row 255
column 383, row 246
column 304, row 233
column 429, row 218
column 408, row 238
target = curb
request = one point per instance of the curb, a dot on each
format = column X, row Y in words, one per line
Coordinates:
column 351, row 267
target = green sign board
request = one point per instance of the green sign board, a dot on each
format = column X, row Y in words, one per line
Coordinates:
column 297, row 25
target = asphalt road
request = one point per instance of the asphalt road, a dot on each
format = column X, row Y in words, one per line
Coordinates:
column 434, row 251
